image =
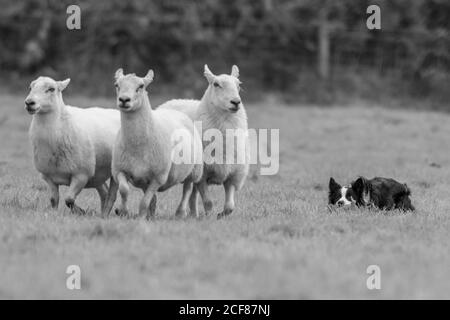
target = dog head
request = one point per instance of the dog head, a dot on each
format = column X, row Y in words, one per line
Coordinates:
column 340, row 195
column 355, row 193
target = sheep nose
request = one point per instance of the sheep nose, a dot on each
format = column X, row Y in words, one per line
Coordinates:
column 124, row 100
column 235, row 102
column 29, row 103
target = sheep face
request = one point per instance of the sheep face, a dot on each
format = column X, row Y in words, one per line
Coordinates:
column 45, row 95
column 224, row 90
column 131, row 91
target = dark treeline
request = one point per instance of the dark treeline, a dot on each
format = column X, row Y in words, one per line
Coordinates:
column 309, row 50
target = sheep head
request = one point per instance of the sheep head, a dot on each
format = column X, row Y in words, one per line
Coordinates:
column 45, row 95
column 223, row 90
column 131, row 90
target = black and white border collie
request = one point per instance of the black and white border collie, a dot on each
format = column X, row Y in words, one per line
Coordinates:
column 382, row 193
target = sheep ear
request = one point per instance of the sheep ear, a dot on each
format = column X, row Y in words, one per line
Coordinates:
column 235, row 71
column 32, row 83
column 208, row 74
column 149, row 77
column 118, row 74
column 63, row 84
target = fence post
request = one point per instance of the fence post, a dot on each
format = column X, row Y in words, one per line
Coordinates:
column 324, row 44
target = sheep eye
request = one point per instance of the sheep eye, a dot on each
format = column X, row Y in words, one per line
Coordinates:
column 217, row 85
column 140, row 87
column 51, row 90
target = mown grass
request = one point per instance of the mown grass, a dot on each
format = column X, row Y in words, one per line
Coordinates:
column 282, row 241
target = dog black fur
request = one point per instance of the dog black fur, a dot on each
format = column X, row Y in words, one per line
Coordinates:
column 383, row 193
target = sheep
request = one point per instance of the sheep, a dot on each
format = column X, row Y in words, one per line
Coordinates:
column 71, row 146
column 144, row 150
column 220, row 108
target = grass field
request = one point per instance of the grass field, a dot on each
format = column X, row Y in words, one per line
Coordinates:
column 281, row 242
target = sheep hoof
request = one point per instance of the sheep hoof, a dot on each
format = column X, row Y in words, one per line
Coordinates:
column 54, row 203
column 208, row 205
column 224, row 213
column 180, row 213
column 193, row 214
column 78, row 211
column 121, row 212
column 70, row 203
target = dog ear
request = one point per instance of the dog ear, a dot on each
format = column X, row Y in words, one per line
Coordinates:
column 359, row 186
column 333, row 185
column 407, row 190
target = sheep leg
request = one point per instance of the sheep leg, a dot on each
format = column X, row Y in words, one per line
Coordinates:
column 147, row 206
column 193, row 202
column 182, row 207
column 112, row 195
column 103, row 193
column 152, row 208
column 54, row 189
column 76, row 185
column 229, row 200
column 204, row 193
column 124, row 190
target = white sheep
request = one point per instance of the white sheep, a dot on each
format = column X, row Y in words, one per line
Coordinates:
column 220, row 108
column 144, row 151
column 71, row 146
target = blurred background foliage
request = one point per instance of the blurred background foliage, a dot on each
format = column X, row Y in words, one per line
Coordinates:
column 316, row 51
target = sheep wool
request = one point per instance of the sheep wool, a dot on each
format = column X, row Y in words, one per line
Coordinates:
column 220, row 108
column 144, row 150
column 71, row 146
